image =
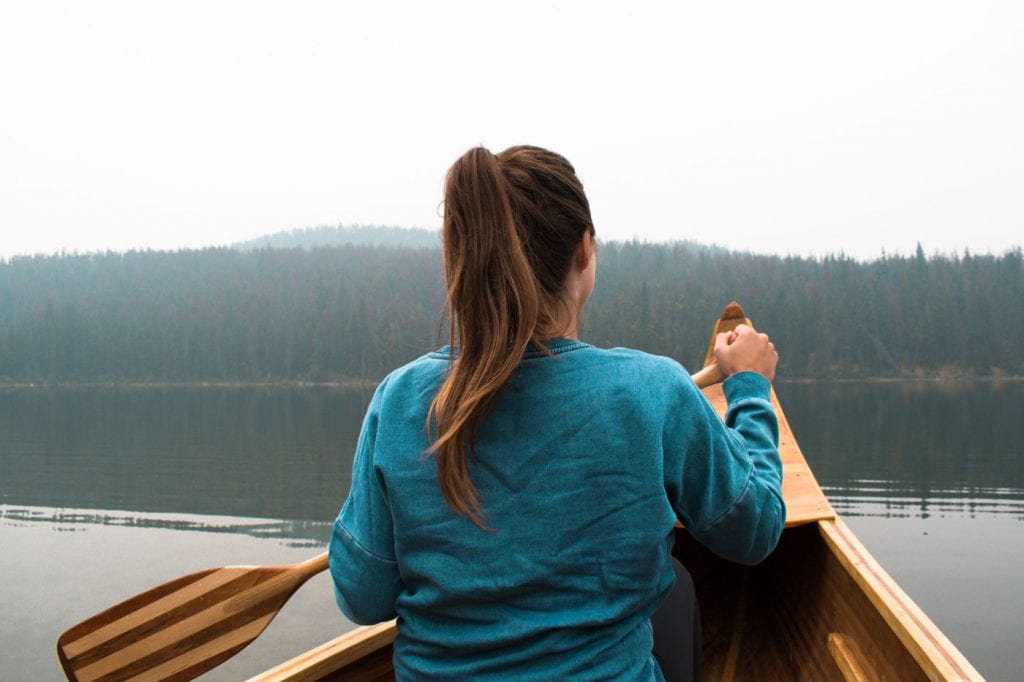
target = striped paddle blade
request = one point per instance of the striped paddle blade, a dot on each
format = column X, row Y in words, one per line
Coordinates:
column 183, row 628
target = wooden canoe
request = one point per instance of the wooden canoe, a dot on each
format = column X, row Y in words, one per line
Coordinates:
column 819, row 608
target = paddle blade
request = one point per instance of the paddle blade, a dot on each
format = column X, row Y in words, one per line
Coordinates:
column 183, row 628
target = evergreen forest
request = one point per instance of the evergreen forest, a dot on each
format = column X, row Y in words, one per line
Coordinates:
column 355, row 309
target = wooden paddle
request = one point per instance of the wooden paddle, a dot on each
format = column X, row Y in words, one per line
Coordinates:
column 184, row 627
column 189, row 625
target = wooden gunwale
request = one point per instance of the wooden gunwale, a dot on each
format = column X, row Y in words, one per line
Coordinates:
column 821, row 607
column 933, row 650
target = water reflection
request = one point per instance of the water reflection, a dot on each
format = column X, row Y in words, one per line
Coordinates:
column 878, row 449
column 54, row 578
column 913, row 449
column 866, row 498
column 283, row 454
column 291, row 533
column 148, row 484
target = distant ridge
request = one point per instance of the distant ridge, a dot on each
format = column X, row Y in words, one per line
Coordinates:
column 412, row 237
column 339, row 235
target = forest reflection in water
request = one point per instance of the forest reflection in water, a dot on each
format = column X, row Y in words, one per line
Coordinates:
column 878, row 449
column 107, row 491
column 273, row 453
column 918, row 449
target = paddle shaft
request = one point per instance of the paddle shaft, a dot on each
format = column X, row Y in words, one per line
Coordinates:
column 709, row 376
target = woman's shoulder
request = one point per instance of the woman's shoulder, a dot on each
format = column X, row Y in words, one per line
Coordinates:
column 627, row 371
column 414, row 377
column 633, row 360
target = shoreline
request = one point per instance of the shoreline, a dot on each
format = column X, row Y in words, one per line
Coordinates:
column 927, row 379
column 370, row 384
column 279, row 384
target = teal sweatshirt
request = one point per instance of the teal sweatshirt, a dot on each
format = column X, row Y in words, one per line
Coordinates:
column 585, row 461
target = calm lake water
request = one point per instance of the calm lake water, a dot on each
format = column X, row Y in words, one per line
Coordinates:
column 106, row 492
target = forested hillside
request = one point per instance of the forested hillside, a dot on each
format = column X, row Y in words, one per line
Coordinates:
column 829, row 317
column 343, row 235
column 356, row 311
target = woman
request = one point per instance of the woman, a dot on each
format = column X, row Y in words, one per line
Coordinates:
column 513, row 495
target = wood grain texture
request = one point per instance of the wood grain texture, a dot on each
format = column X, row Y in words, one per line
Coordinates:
column 792, row 601
column 849, row 660
column 938, row 657
column 708, row 376
column 350, row 648
column 184, row 627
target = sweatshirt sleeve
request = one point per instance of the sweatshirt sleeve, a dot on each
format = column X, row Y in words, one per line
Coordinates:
column 361, row 553
column 724, row 481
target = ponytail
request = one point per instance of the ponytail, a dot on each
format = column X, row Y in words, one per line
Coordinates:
column 496, row 207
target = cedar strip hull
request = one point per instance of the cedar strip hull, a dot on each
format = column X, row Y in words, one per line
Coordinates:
column 778, row 615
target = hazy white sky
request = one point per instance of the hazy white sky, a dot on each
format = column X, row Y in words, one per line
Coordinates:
column 774, row 127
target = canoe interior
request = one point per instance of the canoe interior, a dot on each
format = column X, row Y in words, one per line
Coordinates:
column 767, row 622
column 772, row 621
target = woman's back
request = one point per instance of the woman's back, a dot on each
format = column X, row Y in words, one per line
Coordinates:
column 575, row 466
column 514, row 506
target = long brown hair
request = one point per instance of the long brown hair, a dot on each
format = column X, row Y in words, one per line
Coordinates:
column 512, row 222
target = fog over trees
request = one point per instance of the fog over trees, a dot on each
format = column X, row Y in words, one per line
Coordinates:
column 356, row 308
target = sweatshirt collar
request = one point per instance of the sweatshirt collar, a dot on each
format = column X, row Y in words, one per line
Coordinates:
column 555, row 346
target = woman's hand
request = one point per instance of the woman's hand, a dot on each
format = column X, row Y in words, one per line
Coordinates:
column 744, row 349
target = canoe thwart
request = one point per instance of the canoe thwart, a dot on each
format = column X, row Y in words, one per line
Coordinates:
column 849, row 659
